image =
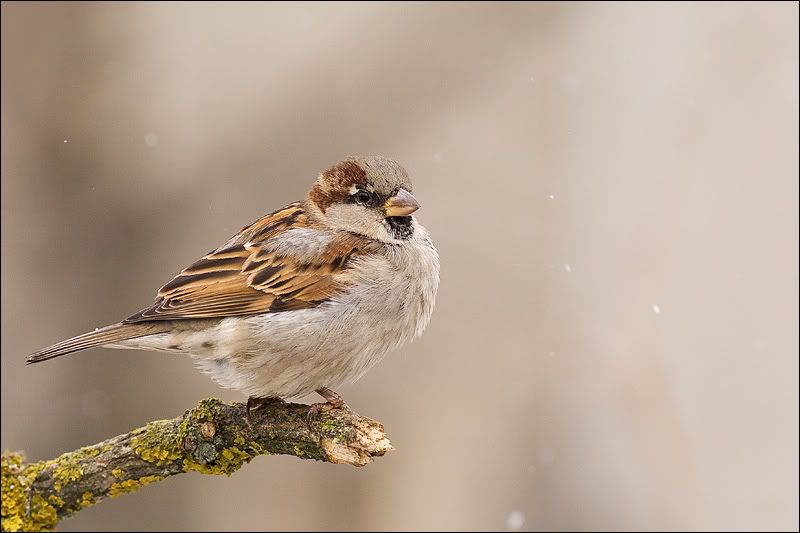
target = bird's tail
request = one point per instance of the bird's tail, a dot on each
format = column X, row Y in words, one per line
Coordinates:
column 99, row 337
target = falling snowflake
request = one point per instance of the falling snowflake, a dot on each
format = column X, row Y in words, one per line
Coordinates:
column 515, row 520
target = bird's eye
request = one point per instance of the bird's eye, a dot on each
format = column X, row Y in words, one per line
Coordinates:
column 362, row 197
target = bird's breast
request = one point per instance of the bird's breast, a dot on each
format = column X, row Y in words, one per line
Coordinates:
column 391, row 296
column 387, row 301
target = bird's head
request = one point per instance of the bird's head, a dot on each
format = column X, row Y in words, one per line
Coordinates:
column 370, row 196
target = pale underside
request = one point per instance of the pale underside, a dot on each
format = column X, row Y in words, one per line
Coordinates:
column 333, row 327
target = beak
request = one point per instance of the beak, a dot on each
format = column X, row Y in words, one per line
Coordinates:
column 401, row 204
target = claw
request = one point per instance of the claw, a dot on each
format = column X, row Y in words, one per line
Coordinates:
column 334, row 401
column 315, row 409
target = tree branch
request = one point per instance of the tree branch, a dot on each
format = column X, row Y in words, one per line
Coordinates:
column 212, row 438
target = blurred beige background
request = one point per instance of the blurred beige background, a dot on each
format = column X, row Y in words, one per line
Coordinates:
column 613, row 189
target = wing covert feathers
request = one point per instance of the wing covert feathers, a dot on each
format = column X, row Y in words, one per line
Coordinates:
column 265, row 268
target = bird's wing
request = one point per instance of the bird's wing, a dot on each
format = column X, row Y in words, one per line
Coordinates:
column 278, row 263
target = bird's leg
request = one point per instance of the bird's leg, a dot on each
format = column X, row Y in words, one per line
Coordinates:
column 335, row 401
column 332, row 401
column 254, row 403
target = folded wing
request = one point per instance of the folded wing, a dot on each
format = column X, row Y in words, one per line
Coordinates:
column 279, row 263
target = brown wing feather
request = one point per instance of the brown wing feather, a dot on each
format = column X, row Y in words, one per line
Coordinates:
column 243, row 277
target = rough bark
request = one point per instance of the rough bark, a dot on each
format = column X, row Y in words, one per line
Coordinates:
column 212, row 438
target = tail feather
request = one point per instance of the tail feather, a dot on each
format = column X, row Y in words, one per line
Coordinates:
column 98, row 337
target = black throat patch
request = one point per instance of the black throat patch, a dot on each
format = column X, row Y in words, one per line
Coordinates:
column 401, row 228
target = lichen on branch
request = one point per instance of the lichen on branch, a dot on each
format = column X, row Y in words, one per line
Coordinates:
column 212, row 438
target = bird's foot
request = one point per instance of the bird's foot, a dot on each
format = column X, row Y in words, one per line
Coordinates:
column 333, row 401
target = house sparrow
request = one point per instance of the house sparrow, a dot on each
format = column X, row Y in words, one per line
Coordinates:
column 304, row 299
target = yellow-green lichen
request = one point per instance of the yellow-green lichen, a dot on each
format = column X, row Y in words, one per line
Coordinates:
column 297, row 451
column 233, row 458
column 333, row 429
column 87, row 451
column 239, row 440
column 68, row 467
column 158, row 442
column 43, row 517
column 19, row 513
column 162, row 442
column 65, row 472
column 86, row 500
column 130, row 485
column 229, row 461
column 256, row 449
column 328, row 425
column 206, row 410
column 55, row 500
column 118, row 473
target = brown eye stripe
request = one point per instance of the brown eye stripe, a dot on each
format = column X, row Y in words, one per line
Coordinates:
column 334, row 184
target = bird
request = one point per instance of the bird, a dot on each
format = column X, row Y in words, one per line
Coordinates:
column 305, row 299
